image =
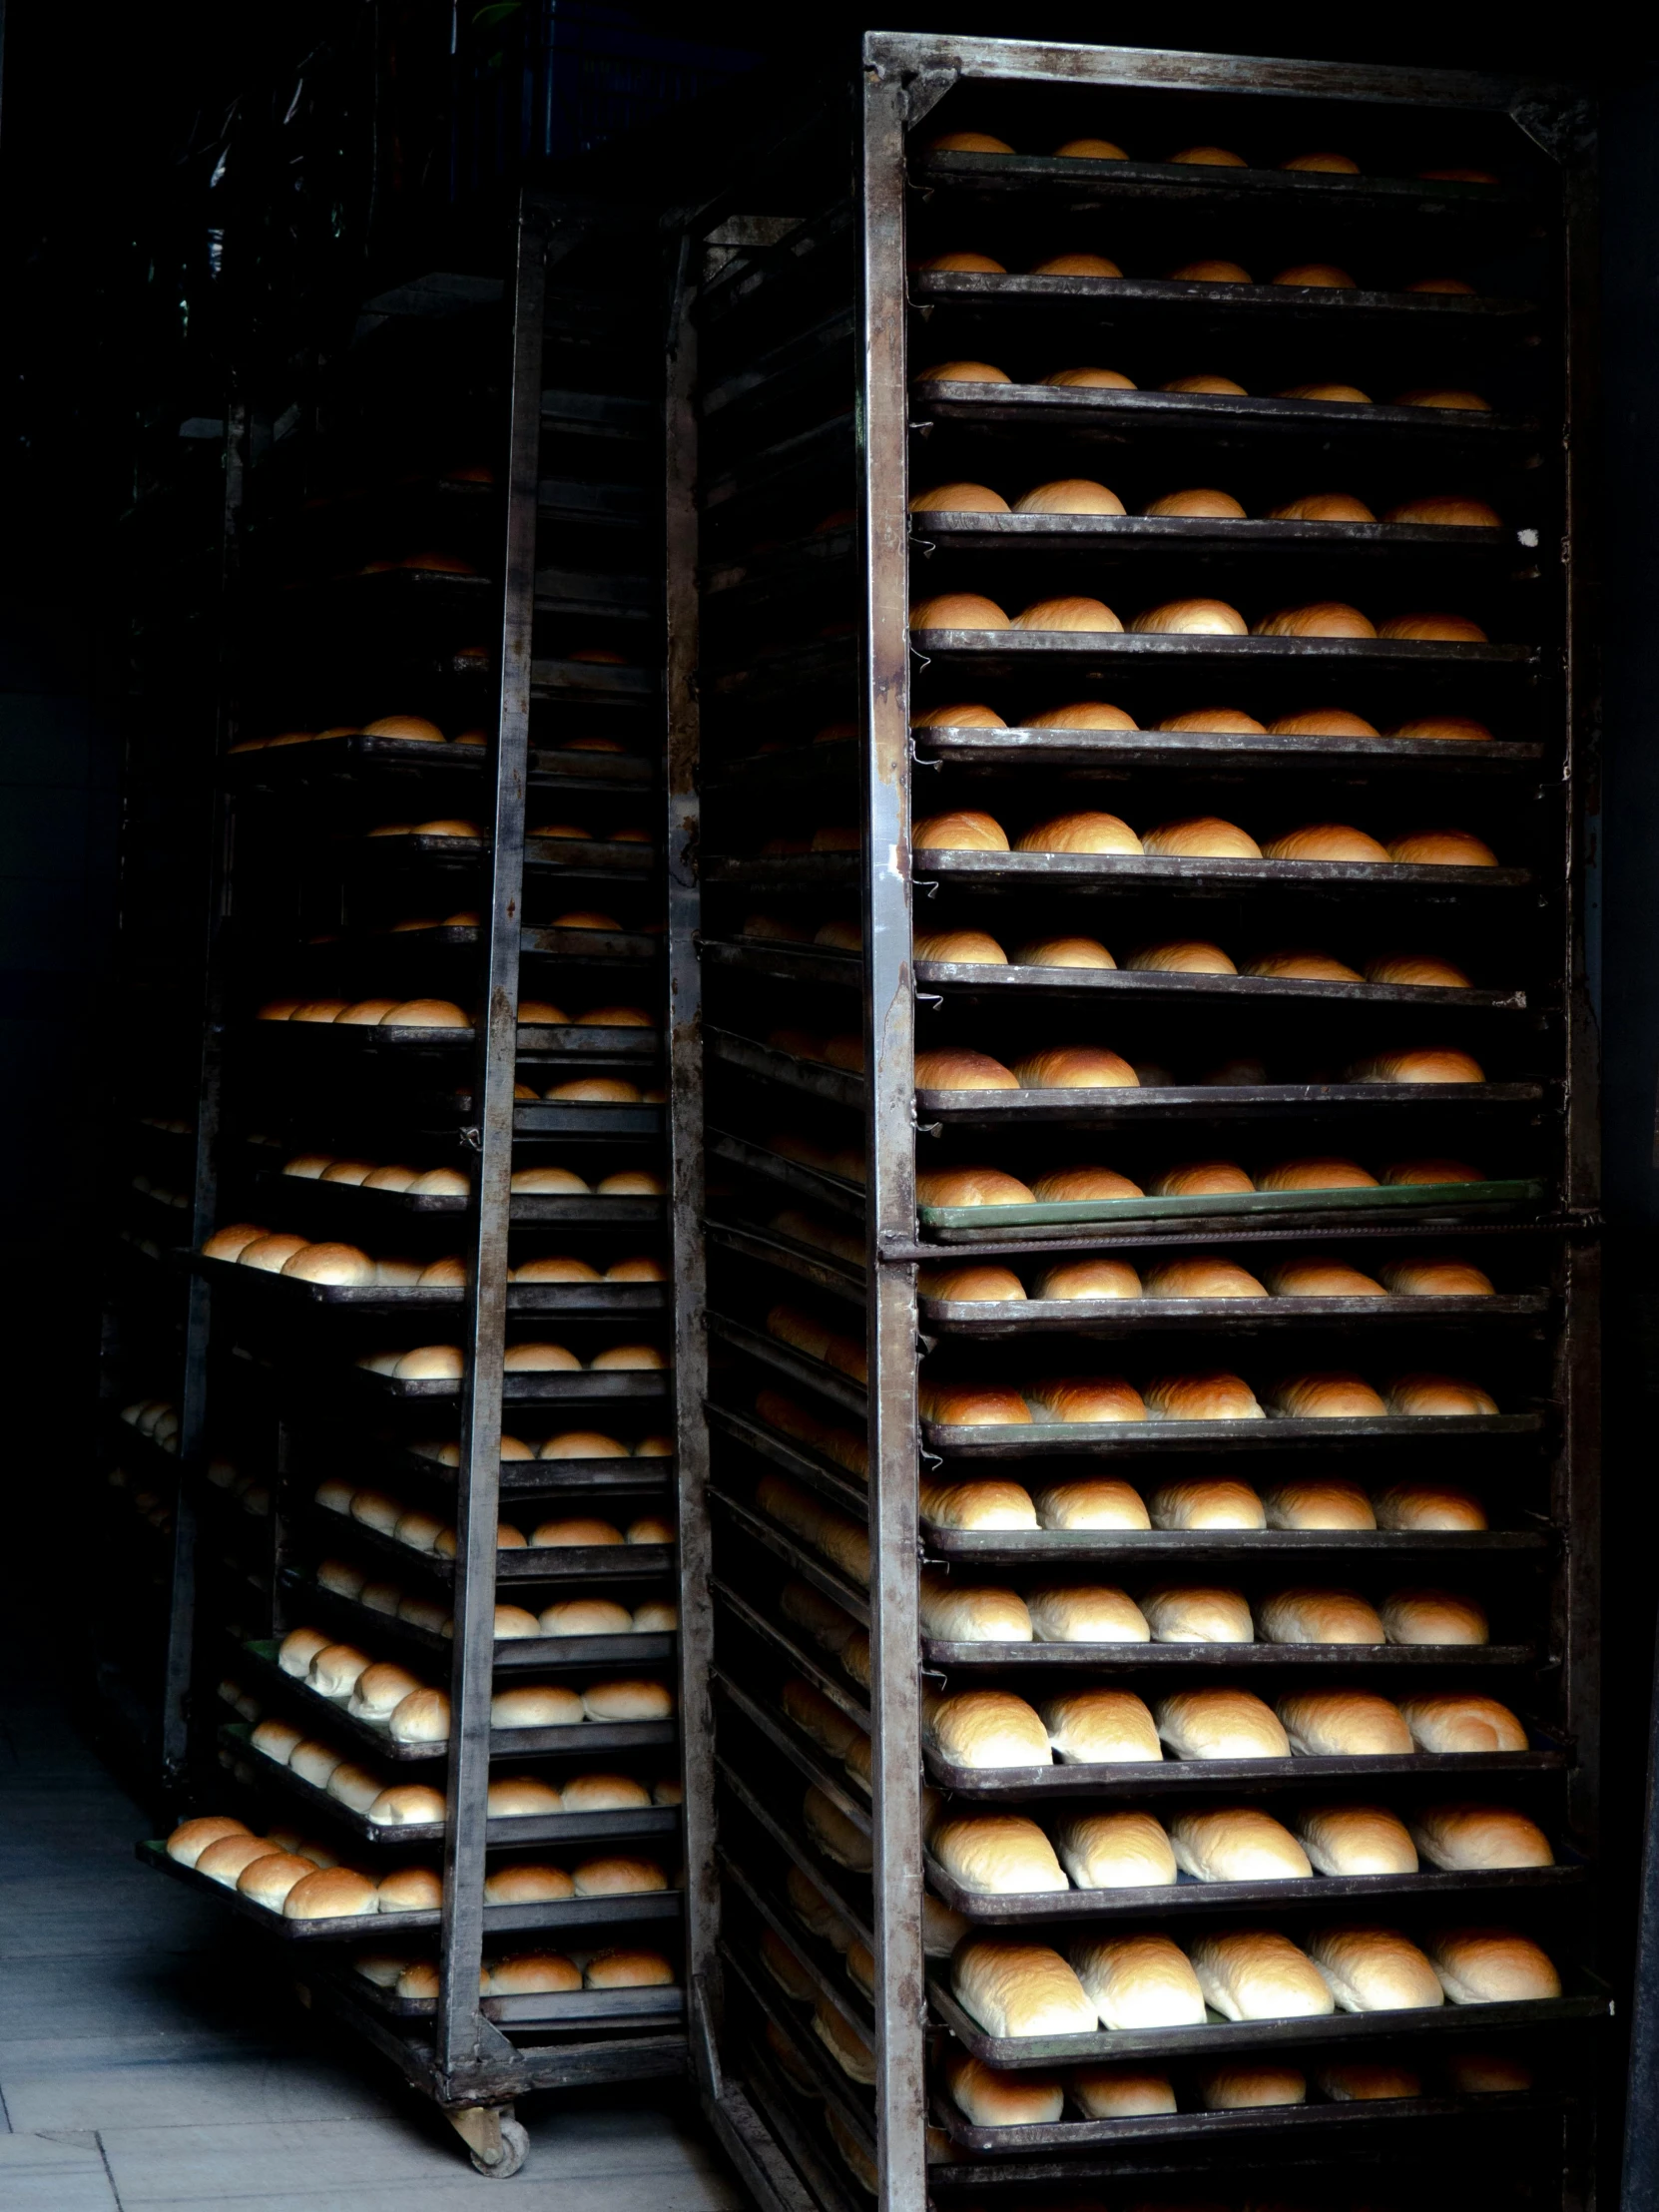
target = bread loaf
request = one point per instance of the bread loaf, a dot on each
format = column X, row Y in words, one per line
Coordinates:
column 192, row 1837
column 1317, row 1174
column 1089, row 1728
column 1322, row 506
column 1319, row 1505
column 836, row 1836
column 1089, row 1398
column 1432, row 1617
column 1220, row 1724
column 1323, row 618
column 960, row 1406
column 1441, row 629
column 985, row 1727
column 1218, row 722
column 1083, row 714
column 1079, row 832
column 1491, row 1966
column 1237, row 1843
column 985, row 1504
column 997, row 1855
column 1202, row 837
column 1013, row 1989
column 1212, row 506
column 1120, row 2093
column 1438, row 1394
column 1462, row 1838
column 1074, row 1068
column 816, row 1716
column 993, row 2096
column 971, row 1187
column 1304, row 968
column 1201, row 1275
column 1430, row 1278
column 972, row 1614
column 965, row 831
column 960, row 610
column 1115, row 1851
column 1325, row 1397
column 1069, row 495
column 1208, row 618
column 1067, row 953
column 1355, row 1838
column 1242, row 2088
column 1088, row 1279
column 1374, row 1970
column 843, row 2043
column 1326, row 840
column 1300, row 1616
column 1427, row 1505
column 1358, row 2080
column 1071, row 612
column 1096, row 1504
column 1139, row 1981
column 1257, row 1974
column 1206, row 1505
column 1089, row 1614
column 1345, row 1724
column 957, row 1069
column 967, row 499
column 1311, row 1278
column 1191, row 1615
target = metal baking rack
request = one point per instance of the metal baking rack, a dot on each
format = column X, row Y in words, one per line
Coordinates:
column 504, row 650
column 788, row 622
column 571, row 2009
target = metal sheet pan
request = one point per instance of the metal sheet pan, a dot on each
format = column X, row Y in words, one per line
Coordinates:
column 1093, row 871
column 1155, row 1658
column 833, row 1880
column 804, row 1756
column 590, row 679
column 1125, row 416
column 769, row 1247
column 288, row 1290
column 850, row 2099
column 964, row 1223
column 1111, row 751
column 1123, row 1316
column 527, row 1388
column 838, row 1689
column 1082, row 182
column 587, row 856
column 1132, row 985
column 573, row 2009
column 592, row 948
column 1210, row 1101
column 813, row 1375
column 1262, row 302
column 1134, row 1440
column 554, row 1118
column 964, row 531
column 1134, row 1778
column 361, row 1623
column 652, row 1475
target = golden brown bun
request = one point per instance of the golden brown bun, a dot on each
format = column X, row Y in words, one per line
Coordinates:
column 1438, row 1394
column 1139, row 1981
column 1246, row 2088
column 1324, row 506
column 1347, row 394
column 1442, row 848
column 1198, row 1616
column 1442, row 1065
column 267, row 1881
column 1205, row 1276
column 977, row 1504
column 1457, row 285
column 964, row 499
column 993, row 2098
column 331, row 1262
column 1318, row 1617
column 1219, row 722
column 1093, row 379
column 1211, row 1396
column 997, row 1854
column 1116, row 1851
column 1257, row 1974
column 1319, row 1504
column 1448, row 510
column 1079, row 832
column 1325, row 1397
column 1078, row 952
column 1237, row 1843
column 1089, row 1728
column 954, row 1068
column 1202, row 1179
column 1216, row 384
column 968, row 142
column 409, row 1805
column 985, row 1727
column 1432, row 1172
column 1015, row 1988
column 192, row 1837
column 1088, row 1278
column 958, row 610
column 1073, row 612
column 232, row 1243
column 1345, row 1724
column 1316, row 1175
column 991, row 1285
column 1220, row 1724
column 1366, row 2080
column 971, row 1187
column 979, row 263
column 1304, row 968
column 1090, row 1505
column 1077, row 265
column 972, row 1613
column 1460, row 728
column 964, row 947
column 1209, row 272
column 1319, row 276
column 1086, row 714
column 1214, row 506
column 1491, row 1966
column 963, row 372
column 1478, row 1837
column 1316, row 1278
column 960, row 832
column 1415, row 967
column 1090, row 1613
column 333, row 1892
column 1446, row 628
column 1433, row 1617
column 271, row 1254
column 518, row 1797
column 1323, row 618
column 1184, row 956
column 964, row 1406
column 1091, row 149
column 426, row 1014
column 1428, row 1506
column 962, row 717
column 1326, row 840
column 1487, row 2074
column 1105, row 1398
column 628, row 1969
column 1072, row 1068
column 1069, row 495
column 1355, row 1838
column 1067, row 1186
column 1457, row 1722
column 1205, row 1504
column 1207, row 618
column 1374, row 1970
column 1203, row 836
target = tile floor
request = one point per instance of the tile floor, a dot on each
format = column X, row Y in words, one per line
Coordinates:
column 148, row 2065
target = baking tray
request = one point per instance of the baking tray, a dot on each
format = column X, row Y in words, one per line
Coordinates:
column 1105, row 870
column 1207, row 1101
column 592, row 948
column 592, row 680
column 522, row 1297
column 772, row 1067
column 499, row 1919
column 1131, row 984
column 798, row 1749
column 1263, row 303
column 808, row 1565
column 977, row 1224
column 1085, row 184
column 531, row 1475
column 966, row 531
column 546, row 1828
column 1122, row 1317
column 828, row 1877
column 1074, row 1546
column 525, row 1210
column 1111, row 751
column 1131, row 1440
column 813, row 1375
column 525, row 1388
column 1586, row 2000
column 1155, row 1658
column 514, row 1654
column 571, row 2009
column 535, row 1563
column 806, row 1262
column 832, row 1483
column 1123, row 418
column 838, row 1689
column 1134, row 1778
column 995, row 651
column 816, row 1183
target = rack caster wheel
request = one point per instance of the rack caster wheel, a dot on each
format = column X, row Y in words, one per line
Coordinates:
column 515, row 2149
column 496, row 2143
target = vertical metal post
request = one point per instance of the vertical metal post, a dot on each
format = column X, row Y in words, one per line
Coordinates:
column 1641, row 2124
column 890, row 1053
column 464, row 2035
column 685, row 1125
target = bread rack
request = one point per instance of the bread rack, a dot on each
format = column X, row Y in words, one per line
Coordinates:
column 809, row 728
column 307, row 901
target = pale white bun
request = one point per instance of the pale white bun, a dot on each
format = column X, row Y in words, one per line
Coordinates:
column 954, row 1068
column 1013, row 1989
column 985, row 1727
column 586, row 1617
column 421, row 1718
column 331, row 1262
column 1079, row 832
column 1441, row 848
column 322, row 1010
column 1069, row 495
column 1433, row 1617
column 1355, row 1839
column 1325, row 1397
column 1073, row 952
column 438, row 1183
column 997, row 1855
column 1319, row 1505
column 1099, row 1502
column 1083, row 1185
column 1205, row 1504
column 232, row 1243
column 192, row 1837
column 1181, row 957
column 514, row 1621
column 962, row 499
column 1092, row 1613
column 1360, row 2081
column 431, row 1362
column 1257, row 1974
column 1304, row 968
column 521, row 1797
column 1091, row 1728
column 1438, row 1394
column 1087, row 1280
column 1318, row 1617
column 1374, row 1970
column 604, row 1793
column 423, row 1531
column 331, row 1893
column 1205, row 1275
column 979, row 1505
column 534, row 1974
column 1220, row 1724
column 422, row 1612
column 1442, row 628
column 1115, row 1851
column 412, row 1890
column 536, row 1704
column 378, row 1691
column 1139, row 1981
column 313, row 1762
column 375, row 1510
column 298, row 1648
column 1120, row 2093
column 1237, row 1843
column 958, row 610
column 335, row 1670
column 618, row 1876
column 1345, row 1724
column 836, row 1836
column 993, row 2096
column 549, row 1183
column 1246, row 2088
column 1070, row 613
column 335, row 1496
column 1198, row 1616
column 627, row 1701
column 1458, row 1721
column 1491, row 1966
column 271, row 1254
column 1214, row 1397
column 1202, row 837
column 1461, row 1838
column 1206, row 618
column 408, row 1804
column 962, row 1406
column 1322, row 506
column 1083, row 714
column 965, row 1614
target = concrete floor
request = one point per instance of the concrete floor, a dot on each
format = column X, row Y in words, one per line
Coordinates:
column 147, row 2063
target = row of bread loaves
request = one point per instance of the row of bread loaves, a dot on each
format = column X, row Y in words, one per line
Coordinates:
column 1218, row 722
column 1083, row 495
column 1208, row 385
column 1202, row 618
column 1085, row 1184
column 1192, row 1613
column 423, row 1531
column 447, row 1362
column 1204, row 1396
column 1210, row 1276
column 525, row 1974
